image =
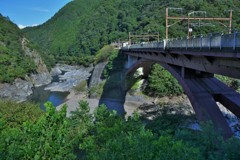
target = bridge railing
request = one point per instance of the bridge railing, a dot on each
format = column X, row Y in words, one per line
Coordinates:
column 211, row 42
column 227, row 42
column 146, row 45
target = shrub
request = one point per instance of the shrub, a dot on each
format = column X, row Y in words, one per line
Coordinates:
column 162, row 83
column 104, row 53
column 81, row 87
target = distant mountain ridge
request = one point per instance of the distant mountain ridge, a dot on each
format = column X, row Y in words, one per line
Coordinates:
column 82, row 27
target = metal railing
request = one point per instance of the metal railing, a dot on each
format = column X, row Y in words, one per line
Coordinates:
column 225, row 42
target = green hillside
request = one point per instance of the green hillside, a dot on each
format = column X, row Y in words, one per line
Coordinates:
column 83, row 27
column 13, row 62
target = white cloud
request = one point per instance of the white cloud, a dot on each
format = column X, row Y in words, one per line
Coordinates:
column 23, row 26
column 39, row 9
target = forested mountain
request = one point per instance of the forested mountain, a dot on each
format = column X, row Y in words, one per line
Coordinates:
column 13, row 62
column 83, row 27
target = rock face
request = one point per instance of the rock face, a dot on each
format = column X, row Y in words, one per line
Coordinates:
column 55, row 71
column 72, row 77
column 40, row 79
column 43, row 76
column 21, row 89
column 17, row 91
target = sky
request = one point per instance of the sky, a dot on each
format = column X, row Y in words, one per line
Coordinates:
column 30, row 12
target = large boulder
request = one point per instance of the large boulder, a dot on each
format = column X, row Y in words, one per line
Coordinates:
column 18, row 91
column 73, row 76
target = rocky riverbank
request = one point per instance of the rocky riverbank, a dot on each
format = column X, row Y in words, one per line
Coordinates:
column 131, row 104
column 68, row 78
column 73, row 75
column 20, row 89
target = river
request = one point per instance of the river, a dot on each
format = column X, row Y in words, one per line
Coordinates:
column 41, row 96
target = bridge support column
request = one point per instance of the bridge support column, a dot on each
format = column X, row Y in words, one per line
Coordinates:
column 131, row 61
column 201, row 89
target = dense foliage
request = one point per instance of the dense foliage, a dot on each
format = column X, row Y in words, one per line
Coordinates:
column 47, row 138
column 17, row 113
column 108, row 136
column 162, row 83
column 13, row 62
column 81, row 28
column 105, row 53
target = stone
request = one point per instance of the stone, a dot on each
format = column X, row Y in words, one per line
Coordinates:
column 73, row 76
column 55, row 71
column 18, row 91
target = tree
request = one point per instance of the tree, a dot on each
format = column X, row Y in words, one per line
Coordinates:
column 45, row 139
column 162, row 83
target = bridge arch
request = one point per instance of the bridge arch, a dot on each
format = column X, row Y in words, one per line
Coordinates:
column 203, row 91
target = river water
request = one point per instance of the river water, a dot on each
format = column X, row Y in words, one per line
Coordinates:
column 41, row 96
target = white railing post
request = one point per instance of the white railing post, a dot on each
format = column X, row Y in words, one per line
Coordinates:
column 201, row 41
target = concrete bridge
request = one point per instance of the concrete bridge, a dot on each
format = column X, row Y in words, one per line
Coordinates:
column 193, row 62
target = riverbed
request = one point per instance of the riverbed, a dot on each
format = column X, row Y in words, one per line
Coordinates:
column 40, row 95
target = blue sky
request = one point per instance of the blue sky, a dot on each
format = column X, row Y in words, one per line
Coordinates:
column 30, row 12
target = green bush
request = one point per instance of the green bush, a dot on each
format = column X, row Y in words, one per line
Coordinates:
column 47, row 138
column 162, row 83
column 104, row 54
column 81, row 87
column 114, row 138
column 15, row 114
column 106, row 135
column 97, row 90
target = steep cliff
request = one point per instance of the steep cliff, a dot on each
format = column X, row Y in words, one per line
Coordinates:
column 21, row 66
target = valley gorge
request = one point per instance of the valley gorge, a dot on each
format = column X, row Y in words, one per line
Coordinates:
column 67, row 91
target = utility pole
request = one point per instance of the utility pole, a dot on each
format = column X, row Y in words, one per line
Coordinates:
column 230, row 22
column 188, row 18
column 188, row 25
column 166, row 24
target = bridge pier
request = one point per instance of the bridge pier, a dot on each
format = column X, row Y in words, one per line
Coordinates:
column 131, row 61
